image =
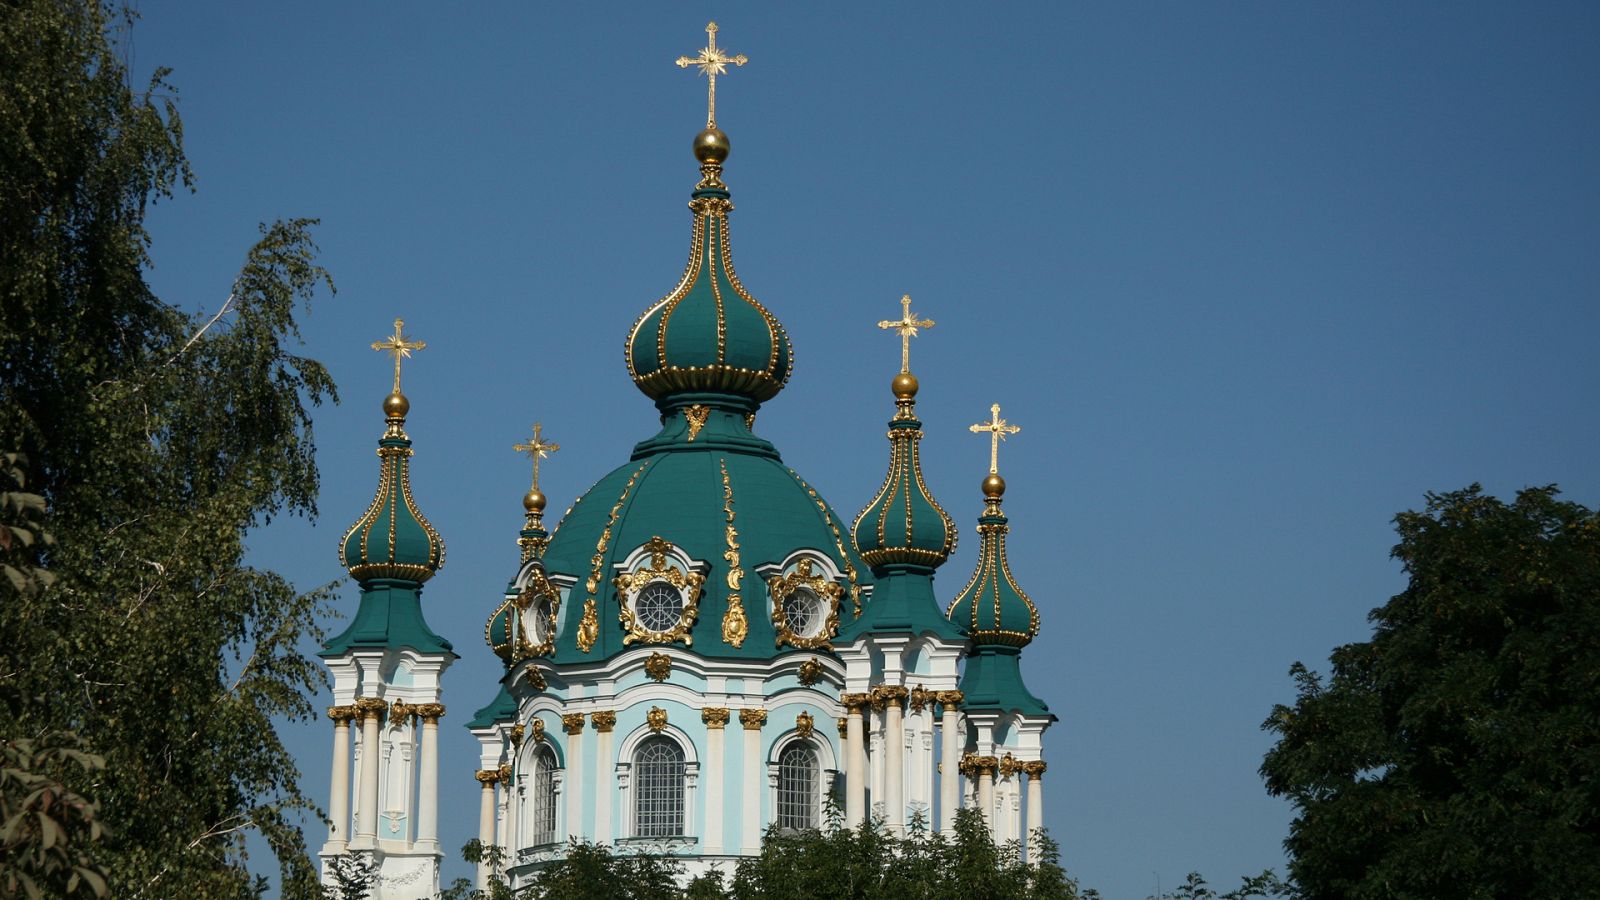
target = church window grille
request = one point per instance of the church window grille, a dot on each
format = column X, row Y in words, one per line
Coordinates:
column 659, row 775
column 803, row 611
column 543, row 802
column 798, row 776
column 659, row 606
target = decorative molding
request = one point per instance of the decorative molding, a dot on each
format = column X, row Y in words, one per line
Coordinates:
column 828, row 591
column 752, row 719
column 589, row 627
column 715, row 717
column 603, row 720
column 656, row 718
column 370, row 706
column 803, row 724
column 572, row 723
column 949, row 699
column 505, row 773
column 1009, row 766
column 430, row 712
column 341, row 714
column 538, row 731
column 855, row 703
column 536, row 678
column 844, row 727
column 810, row 672
column 1033, row 768
column 735, row 627
column 885, row 694
column 658, row 666
column 920, row 698
column 696, row 416
column 517, row 733
column 487, row 777
column 687, row 582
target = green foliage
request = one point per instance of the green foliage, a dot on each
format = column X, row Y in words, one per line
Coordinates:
column 353, row 874
column 1457, row 752
column 48, row 830
column 865, row 863
column 1194, row 887
column 157, row 438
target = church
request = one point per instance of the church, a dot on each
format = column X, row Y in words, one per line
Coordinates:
column 700, row 648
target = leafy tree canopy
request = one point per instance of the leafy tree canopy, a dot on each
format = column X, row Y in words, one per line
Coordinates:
column 1457, row 752
column 155, row 438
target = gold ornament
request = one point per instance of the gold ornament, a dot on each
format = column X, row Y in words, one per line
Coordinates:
column 656, row 718
column 712, row 62
column 588, row 626
column 696, row 416
column 603, row 720
column 810, row 672
column 538, row 731
column 783, row 586
column 517, row 733
column 803, row 724
column 397, row 346
column 906, row 327
column 734, row 625
column 752, row 719
column 687, row 584
column 658, row 666
column 572, row 723
column 715, row 717
column 997, row 429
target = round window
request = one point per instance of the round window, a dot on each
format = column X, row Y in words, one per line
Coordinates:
column 804, row 612
column 541, row 622
column 658, row 607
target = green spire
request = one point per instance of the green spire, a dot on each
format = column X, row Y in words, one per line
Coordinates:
column 392, row 549
column 708, row 341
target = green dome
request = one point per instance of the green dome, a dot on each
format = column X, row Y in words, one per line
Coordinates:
column 904, row 524
column 709, row 509
column 392, row 539
column 991, row 609
column 709, row 335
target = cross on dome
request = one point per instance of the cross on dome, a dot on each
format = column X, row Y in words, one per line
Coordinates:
column 907, row 327
column 997, row 428
column 537, row 449
column 712, row 62
column 397, row 346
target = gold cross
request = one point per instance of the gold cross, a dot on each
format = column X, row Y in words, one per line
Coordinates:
column 712, row 62
column 537, row 449
column 998, row 428
column 907, row 327
column 397, row 346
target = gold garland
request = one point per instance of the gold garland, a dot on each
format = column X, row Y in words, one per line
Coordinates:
column 735, row 627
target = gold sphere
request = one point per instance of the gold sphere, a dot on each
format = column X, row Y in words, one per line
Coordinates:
column 711, row 146
column 395, row 406
column 904, row 386
column 994, row 486
column 533, row 501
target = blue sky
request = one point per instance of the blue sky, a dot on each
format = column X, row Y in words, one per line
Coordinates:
column 1252, row 277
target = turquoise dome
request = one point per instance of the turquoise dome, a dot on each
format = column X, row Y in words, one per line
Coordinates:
column 708, row 335
column 904, row 524
column 992, row 609
column 392, row 539
column 707, row 491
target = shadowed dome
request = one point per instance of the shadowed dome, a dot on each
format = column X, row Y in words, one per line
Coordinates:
column 392, row 539
column 709, row 335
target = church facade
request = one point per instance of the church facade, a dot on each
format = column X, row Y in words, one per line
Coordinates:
column 702, row 647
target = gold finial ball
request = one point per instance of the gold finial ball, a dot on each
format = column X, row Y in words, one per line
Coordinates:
column 395, row 406
column 994, row 487
column 904, row 386
column 533, row 501
column 711, row 146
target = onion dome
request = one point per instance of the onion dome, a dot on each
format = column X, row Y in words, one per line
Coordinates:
column 708, row 336
column 991, row 608
column 904, row 524
column 392, row 539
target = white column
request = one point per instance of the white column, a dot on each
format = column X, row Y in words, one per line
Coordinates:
column 949, row 762
column 1035, row 772
column 605, row 767
column 428, row 790
column 986, row 790
column 894, row 759
column 486, row 777
column 750, row 822
column 572, row 724
column 339, row 790
column 919, row 784
column 855, row 774
column 716, row 722
column 369, row 708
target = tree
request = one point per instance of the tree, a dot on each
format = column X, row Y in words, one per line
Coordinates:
column 157, row 438
column 1457, row 752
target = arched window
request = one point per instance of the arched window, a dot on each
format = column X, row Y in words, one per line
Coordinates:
column 798, row 771
column 542, row 804
column 658, row 768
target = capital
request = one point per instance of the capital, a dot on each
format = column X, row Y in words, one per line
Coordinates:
column 1009, row 766
column 370, row 707
column 949, row 699
column 572, row 723
column 487, row 777
column 430, row 712
column 752, row 719
column 715, row 717
column 400, row 710
column 1034, row 769
column 920, row 697
column 855, row 702
column 341, row 714
column 517, row 731
column 505, row 773
column 603, row 720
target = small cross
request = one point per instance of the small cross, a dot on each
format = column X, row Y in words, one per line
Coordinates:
column 712, row 62
column 537, row 449
column 907, row 327
column 397, row 346
column 998, row 428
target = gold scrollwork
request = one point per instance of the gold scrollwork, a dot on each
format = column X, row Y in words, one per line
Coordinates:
column 715, row 717
column 588, row 626
column 810, row 672
column 370, row 707
column 838, row 543
column 536, row 678
column 855, row 703
column 1034, row 768
column 656, row 718
column 430, row 712
column 735, row 627
column 517, row 733
column 538, row 731
column 505, row 772
column 1009, row 766
column 752, row 719
column 572, row 723
column 782, row 587
column 604, row 720
column 696, row 416
column 920, row 698
column 538, row 588
column 658, row 666
column 950, row 700
column 844, row 727
column 688, row 584
column 487, row 777
column 804, row 723
column 341, row 714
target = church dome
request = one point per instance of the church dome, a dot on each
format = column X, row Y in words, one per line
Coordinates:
column 689, row 544
column 904, row 524
column 992, row 609
column 709, row 335
column 392, row 539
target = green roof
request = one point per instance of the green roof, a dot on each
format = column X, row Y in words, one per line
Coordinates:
column 992, row 609
column 501, row 709
column 993, row 681
column 389, row 616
